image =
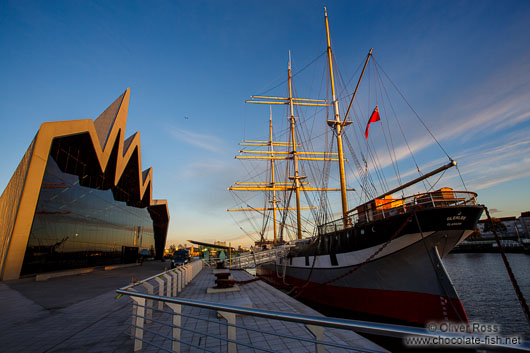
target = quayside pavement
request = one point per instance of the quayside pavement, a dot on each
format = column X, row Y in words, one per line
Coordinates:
column 257, row 295
column 70, row 314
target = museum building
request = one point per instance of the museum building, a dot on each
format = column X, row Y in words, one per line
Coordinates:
column 79, row 198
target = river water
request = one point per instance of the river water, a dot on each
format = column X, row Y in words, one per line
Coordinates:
column 486, row 291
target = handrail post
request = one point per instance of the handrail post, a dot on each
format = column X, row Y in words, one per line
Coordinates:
column 149, row 302
column 318, row 333
column 179, row 280
column 177, row 320
column 174, row 282
column 199, row 268
column 168, row 286
column 185, row 278
column 230, row 329
column 314, row 324
column 138, row 321
column 182, row 280
column 160, row 282
column 188, row 274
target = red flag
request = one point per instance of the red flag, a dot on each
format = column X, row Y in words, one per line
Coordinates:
column 373, row 118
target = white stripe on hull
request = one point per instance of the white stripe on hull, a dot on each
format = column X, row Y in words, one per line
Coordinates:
column 356, row 257
column 359, row 256
column 405, row 265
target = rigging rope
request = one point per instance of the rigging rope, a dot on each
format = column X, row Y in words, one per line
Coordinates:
column 370, row 152
column 360, row 170
column 415, row 113
column 298, row 72
column 433, row 185
column 386, row 122
column 241, row 228
column 394, row 114
column 462, row 179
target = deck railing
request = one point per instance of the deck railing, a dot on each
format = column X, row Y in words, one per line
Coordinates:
column 385, row 208
column 159, row 323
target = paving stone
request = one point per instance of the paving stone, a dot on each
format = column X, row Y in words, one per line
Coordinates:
column 69, row 314
column 82, row 314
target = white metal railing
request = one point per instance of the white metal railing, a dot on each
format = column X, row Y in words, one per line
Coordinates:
column 168, row 283
column 371, row 211
column 252, row 259
column 172, row 327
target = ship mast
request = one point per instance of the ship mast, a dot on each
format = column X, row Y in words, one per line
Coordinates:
column 338, row 127
column 296, row 177
column 293, row 154
column 273, row 201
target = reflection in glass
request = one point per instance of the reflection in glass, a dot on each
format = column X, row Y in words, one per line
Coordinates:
column 76, row 226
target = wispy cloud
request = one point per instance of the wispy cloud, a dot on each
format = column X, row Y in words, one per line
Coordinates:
column 499, row 101
column 499, row 180
column 200, row 168
column 485, row 115
column 497, row 156
column 492, row 117
column 425, row 168
column 204, row 141
column 497, row 161
column 246, row 239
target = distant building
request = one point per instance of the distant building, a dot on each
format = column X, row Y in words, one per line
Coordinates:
column 79, row 199
column 206, row 250
column 524, row 221
column 513, row 227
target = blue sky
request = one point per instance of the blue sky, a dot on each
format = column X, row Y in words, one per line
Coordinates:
column 463, row 65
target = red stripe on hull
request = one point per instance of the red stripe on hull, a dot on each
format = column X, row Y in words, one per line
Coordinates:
column 412, row 307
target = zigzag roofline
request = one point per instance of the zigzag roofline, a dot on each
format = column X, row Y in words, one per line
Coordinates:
column 105, row 135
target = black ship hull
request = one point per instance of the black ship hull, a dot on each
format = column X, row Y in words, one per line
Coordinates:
column 390, row 268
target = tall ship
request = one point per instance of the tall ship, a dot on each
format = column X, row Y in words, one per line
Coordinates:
column 380, row 260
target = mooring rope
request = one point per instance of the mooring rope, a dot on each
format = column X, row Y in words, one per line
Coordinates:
column 515, row 285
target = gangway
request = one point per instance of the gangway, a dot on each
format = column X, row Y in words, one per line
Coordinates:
column 255, row 258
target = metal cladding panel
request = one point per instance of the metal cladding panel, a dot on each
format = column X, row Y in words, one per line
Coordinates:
column 107, row 119
column 10, row 202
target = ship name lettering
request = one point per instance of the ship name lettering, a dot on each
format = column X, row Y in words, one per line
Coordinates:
column 456, row 218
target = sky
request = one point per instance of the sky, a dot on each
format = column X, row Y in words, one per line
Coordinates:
column 464, row 66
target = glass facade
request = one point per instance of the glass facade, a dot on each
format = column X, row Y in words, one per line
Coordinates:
column 76, row 226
